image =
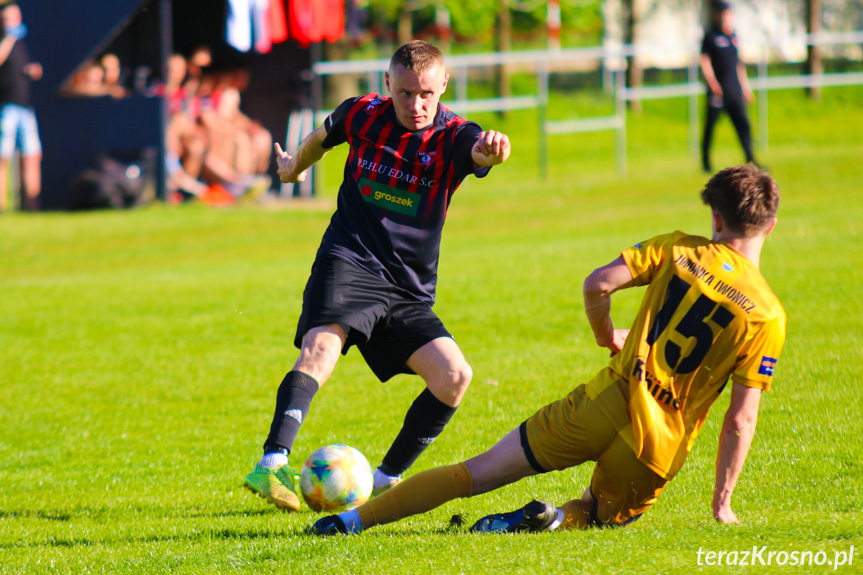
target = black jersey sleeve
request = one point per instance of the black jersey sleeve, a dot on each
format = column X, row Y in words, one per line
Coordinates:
column 707, row 43
column 465, row 137
column 336, row 124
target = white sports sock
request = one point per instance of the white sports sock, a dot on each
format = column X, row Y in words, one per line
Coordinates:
column 382, row 479
column 274, row 459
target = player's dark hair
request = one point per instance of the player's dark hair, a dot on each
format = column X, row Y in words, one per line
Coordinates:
column 716, row 10
column 746, row 197
column 417, row 56
column 720, row 6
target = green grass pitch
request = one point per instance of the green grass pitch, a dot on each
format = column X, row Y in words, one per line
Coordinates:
column 140, row 354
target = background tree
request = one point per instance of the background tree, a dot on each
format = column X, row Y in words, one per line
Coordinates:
column 634, row 72
column 814, row 64
column 504, row 42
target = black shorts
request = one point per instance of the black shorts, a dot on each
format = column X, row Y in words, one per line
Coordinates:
column 385, row 322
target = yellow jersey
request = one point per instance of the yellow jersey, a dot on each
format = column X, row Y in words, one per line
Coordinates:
column 708, row 315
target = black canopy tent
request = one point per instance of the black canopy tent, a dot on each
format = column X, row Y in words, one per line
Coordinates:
column 143, row 33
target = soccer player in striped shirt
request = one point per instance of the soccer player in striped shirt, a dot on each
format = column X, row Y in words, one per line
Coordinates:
column 707, row 317
column 374, row 277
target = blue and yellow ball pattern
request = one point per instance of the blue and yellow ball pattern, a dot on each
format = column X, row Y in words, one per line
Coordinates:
column 336, row 478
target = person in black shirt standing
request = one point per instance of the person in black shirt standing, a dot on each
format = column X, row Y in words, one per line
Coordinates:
column 727, row 85
column 17, row 119
column 373, row 281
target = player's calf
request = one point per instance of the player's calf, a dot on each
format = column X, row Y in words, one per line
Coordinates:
column 424, row 422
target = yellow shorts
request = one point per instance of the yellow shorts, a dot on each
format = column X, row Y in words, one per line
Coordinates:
column 573, row 430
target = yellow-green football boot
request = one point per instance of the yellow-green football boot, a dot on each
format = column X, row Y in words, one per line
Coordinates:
column 278, row 485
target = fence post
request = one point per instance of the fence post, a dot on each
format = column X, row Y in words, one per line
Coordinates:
column 620, row 140
column 461, row 88
column 373, row 79
column 317, row 93
column 694, row 86
column 542, row 117
column 607, row 76
column 762, row 98
column 166, row 47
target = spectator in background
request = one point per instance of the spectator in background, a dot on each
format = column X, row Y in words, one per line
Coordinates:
column 200, row 60
column 17, row 118
column 727, row 85
column 95, row 79
column 253, row 156
column 233, row 139
column 209, row 156
column 185, row 141
column 113, row 79
column 86, row 81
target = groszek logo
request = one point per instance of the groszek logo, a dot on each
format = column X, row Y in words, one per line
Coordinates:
column 398, row 201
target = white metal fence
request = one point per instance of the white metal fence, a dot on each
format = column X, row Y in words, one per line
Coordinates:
column 612, row 61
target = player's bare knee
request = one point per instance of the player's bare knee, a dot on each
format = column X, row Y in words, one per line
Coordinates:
column 463, row 377
column 453, row 384
column 318, row 359
column 325, row 354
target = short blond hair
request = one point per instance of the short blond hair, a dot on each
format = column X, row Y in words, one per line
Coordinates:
column 746, row 197
column 417, row 56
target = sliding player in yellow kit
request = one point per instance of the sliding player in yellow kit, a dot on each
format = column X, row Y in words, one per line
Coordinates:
column 708, row 315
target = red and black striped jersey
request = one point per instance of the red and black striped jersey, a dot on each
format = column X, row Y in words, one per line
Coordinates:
column 397, row 186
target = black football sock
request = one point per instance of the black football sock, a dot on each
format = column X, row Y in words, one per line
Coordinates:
column 424, row 421
column 292, row 404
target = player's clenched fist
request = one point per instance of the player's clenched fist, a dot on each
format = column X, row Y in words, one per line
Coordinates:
column 491, row 148
column 618, row 340
column 286, row 167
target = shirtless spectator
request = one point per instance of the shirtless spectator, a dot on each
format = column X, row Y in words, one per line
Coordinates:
column 201, row 143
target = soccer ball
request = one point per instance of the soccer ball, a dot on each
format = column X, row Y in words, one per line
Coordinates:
column 336, row 478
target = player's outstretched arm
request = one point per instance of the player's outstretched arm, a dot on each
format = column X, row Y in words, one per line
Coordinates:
column 491, row 148
column 292, row 169
column 738, row 429
column 598, row 287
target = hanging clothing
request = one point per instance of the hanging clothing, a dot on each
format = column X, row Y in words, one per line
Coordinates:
column 278, row 21
column 262, row 23
column 239, row 26
column 261, row 26
column 333, row 22
column 301, row 24
column 316, row 20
